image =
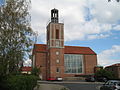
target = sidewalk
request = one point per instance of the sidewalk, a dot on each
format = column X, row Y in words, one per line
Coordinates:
column 50, row 87
column 47, row 85
column 81, row 82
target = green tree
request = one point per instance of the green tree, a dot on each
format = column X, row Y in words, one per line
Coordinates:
column 104, row 73
column 15, row 35
column 36, row 71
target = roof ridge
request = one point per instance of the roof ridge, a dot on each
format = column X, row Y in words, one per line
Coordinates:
column 77, row 46
column 117, row 64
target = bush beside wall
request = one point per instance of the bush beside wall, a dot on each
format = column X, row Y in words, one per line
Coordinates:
column 21, row 82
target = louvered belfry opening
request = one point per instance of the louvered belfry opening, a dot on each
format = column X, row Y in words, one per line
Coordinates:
column 54, row 16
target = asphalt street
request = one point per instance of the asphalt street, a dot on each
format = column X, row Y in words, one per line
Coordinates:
column 80, row 86
column 72, row 85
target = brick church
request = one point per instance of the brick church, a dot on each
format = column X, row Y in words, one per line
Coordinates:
column 56, row 60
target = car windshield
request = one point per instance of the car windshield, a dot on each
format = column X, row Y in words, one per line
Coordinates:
column 113, row 83
column 118, row 83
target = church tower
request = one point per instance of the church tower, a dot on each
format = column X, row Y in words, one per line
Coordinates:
column 55, row 46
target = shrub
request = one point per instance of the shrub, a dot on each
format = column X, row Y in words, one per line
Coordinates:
column 64, row 88
column 104, row 73
column 21, row 82
column 3, row 83
column 35, row 71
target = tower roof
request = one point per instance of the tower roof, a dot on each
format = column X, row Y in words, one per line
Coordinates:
column 54, row 9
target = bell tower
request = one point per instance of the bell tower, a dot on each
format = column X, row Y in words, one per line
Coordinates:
column 55, row 31
column 54, row 16
column 55, row 46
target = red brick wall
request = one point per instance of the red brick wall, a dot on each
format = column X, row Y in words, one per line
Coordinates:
column 90, row 61
column 115, row 70
column 54, row 65
column 41, row 63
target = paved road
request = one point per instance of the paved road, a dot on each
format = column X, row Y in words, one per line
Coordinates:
column 78, row 85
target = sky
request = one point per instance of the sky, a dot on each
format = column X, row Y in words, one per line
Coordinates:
column 2, row 2
column 88, row 23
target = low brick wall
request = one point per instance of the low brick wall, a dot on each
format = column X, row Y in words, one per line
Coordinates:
column 74, row 78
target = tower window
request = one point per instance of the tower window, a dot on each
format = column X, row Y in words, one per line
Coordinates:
column 57, row 52
column 57, row 61
column 57, row 70
column 56, row 15
column 57, row 34
column 57, row 43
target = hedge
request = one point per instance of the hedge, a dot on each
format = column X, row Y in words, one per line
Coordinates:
column 21, row 82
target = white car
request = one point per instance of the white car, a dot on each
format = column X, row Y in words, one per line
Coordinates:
column 59, row 79
column 111, row 85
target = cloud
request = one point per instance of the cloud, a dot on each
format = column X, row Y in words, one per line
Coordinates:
column 87, row 30
column 27, row 62
column 83, row 19
column 97, row 36
column 109, row 56
column 117, row 27
column 104, row 11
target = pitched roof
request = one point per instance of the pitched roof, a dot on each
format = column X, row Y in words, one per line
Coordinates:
column 67, row 49
column 78, row 50
column 40, row 47
column 114, row 65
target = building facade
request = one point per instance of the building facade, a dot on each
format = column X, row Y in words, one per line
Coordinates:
column 115, row 69
column 56, row 60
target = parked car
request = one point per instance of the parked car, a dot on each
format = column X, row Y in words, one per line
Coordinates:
column 51, row 79
column 101, row 79
column 59, row 79
column 111, row 85
column 55, row 79
column 90, row 79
